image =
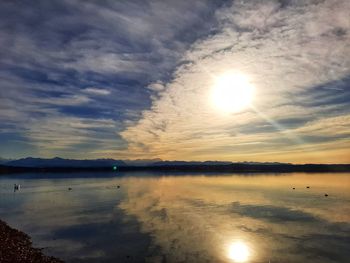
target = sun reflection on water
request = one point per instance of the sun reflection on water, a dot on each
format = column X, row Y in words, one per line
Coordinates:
column 238, row 252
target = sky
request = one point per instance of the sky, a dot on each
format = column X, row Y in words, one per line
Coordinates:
column 133, row 79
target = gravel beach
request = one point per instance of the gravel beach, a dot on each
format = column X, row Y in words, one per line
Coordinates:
column 16, row 246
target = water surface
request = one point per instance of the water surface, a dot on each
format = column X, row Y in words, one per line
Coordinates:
column 182, row 218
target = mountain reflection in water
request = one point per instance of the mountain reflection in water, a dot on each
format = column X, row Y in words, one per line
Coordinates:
column 223, row 218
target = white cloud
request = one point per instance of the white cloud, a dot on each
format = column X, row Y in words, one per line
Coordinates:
column 156, row 86
column 66, row 100
column 97, row 91
column 331, row 126
column 63, row 133
column 285, row 49
column 286, row 52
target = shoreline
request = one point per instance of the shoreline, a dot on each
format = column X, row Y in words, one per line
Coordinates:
column 229, row 168
column 16, row 246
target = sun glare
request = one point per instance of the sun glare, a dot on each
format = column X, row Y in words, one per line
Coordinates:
column 238, row 252
column 232, row 92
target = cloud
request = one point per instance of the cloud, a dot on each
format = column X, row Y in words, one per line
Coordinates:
column 291, row 51
column 65, row 100
column 157, row 86
column 149, row 68
column 56, row 57
column 330, row 126
column 65, row 134
column 97, row 91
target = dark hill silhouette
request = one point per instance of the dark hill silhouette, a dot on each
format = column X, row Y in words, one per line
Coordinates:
column 67, row 165
column 141, row 162
column 3, row 160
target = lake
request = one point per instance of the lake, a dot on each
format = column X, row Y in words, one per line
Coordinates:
column 182, row 217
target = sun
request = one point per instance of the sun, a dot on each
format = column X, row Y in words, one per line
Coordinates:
column 238, row 252
column 232, row 92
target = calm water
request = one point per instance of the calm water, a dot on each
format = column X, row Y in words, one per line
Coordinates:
column 184, row 218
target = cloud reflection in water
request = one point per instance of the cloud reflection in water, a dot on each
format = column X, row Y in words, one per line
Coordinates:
column 206, row 219
column 184, row 218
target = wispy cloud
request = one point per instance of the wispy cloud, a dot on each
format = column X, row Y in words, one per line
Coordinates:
column 84, row 61
column 291, row 52
column 148, row 67
column 97, row 91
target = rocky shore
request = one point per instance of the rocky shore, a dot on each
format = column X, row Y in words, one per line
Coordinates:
column 16, row 246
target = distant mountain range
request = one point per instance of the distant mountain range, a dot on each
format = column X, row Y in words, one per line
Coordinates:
column 3, row 160
column 156, row 165
column 60, row 162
